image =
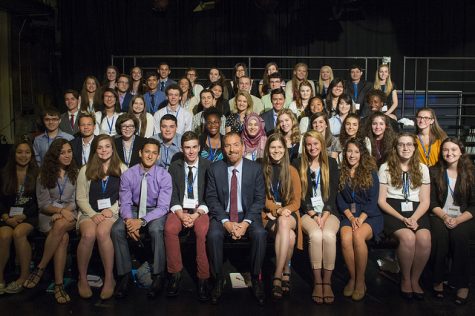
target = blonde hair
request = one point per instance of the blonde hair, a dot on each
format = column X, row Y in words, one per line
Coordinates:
column 322, row 160
column 320, row 81
column 250, row 103
column 389, row 83
column 295, row 132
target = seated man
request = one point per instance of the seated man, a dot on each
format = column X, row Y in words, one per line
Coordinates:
column 275, row 82
column 153, row 97
column 145, row 192
column 169, row 140
column 81, row 144
column 122, row 88
column 69, row 119
column 235, row 197
column 188, row 211
column 270, row 117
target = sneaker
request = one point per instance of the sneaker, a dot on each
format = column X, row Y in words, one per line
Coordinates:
column 13, row 288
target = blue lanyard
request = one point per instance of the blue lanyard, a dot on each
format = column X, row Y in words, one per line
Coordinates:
column 104, row 184
column 317, row 182
column 448, row 184
column 353, row 196
column 211, row 152
column 189, row 188
column 405, row 185
column 276, row 192
column 111, row 125
column 426, row 152
column 355, row 92
column 177, row 112
column 128, row 157
column 62, row 187
column 167, row 149
column 254, row 155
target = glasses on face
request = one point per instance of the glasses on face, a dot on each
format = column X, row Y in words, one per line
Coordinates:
column 128, row 126
column 405, row 145
column 424, row 118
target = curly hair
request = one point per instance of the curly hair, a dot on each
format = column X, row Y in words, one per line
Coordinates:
column 343, row 138
column 465, row 171
column 322, row 160
column 295, row 131
column 51, row 167
column 386, row 141
column 285, row 187
column 394, row 164
column 362, row 179
column 94, row 170
column 9, row 173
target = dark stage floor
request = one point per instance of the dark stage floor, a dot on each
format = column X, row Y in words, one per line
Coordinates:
column 382, row 298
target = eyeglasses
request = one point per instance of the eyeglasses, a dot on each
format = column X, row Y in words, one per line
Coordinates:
column 127, row 126
column 407, row 145
column 424, row 118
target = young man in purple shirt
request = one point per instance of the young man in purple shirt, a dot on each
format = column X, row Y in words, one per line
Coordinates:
column 145, row 193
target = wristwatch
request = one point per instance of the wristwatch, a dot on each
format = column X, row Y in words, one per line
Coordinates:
column 144, row 222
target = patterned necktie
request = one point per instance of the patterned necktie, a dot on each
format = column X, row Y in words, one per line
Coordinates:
column 191, row 194
column 233, row 207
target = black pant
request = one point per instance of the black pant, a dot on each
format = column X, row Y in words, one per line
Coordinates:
column 214, row 242
column 456, row 243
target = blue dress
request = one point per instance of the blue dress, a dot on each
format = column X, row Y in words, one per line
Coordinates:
column 366, row 201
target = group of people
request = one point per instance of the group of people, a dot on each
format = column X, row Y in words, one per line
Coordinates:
column 300, row 159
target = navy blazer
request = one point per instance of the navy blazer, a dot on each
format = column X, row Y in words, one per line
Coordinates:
column 177, row 172
column 76, row 146
column 252, row 190
column 124, row 106
column 134, row 159
column 268, row 118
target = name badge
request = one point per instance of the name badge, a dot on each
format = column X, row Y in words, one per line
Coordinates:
column 190, row 204
column 16, row 211
column 384, row 108
column 353, row 208
column 453, row 211
column 407, row 206
column 317, row 203
column 278, row 203
column 357, row 106
column 58, row 204
column 104, row 203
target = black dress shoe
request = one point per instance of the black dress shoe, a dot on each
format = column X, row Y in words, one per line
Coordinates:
column 203, row 291
column 419, row 296
column 157, row 286
column 174, row 284
column 122, row 287
column 407, row 295
column 217, row 290
column 258, row 290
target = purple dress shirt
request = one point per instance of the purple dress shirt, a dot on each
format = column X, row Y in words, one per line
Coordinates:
column 159, row 192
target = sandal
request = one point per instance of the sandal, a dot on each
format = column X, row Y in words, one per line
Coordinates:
column 286, row 283
column 34, row 278
column 13, row 288
column 60, row 294
column 328, row 299
column 277, row 289
column 317, row 298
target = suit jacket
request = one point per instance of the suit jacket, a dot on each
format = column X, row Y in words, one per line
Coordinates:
column 363, row 87
column 125, row 104
column 65, row 124
column 252, row 190
column 134, row 159
column 268, row 118
column 76, row 146
column 177, row 172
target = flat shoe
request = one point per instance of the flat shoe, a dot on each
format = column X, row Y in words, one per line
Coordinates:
column 13, row 288
column 357, row 295
column 84, row 292
column 348, row 290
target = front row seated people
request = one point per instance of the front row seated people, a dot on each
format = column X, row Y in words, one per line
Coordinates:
column 145, row 193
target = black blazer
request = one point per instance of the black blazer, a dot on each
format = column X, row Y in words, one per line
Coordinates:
column 363, row 87
column 252, row 190
column 268, row 118
column 177, row 172
column 438, row 198
column 125, row 104
column 65, row 125
column 330, row 204
column 134, row 159
column 76, row 146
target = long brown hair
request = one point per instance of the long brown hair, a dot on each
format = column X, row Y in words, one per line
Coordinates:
column 465, row 170
column 50, row 168
column 285, row 188
column 295, row 132
column 97, row 101
column 388, row 137
column 394, row 164
column 436, row 132
column 9, row 173
column 363, row 178
column 94, row 170
column 142, row 116
column 322, row 160
column 295, row 81
column 343, row 135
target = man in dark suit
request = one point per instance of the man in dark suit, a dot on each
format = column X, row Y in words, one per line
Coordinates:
column 164, row 71
column 69, row 119
column 122, row 88
column 81, row 145
column 357, row 88
column 235, row 197
column 270, row 117
column 188, row 210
